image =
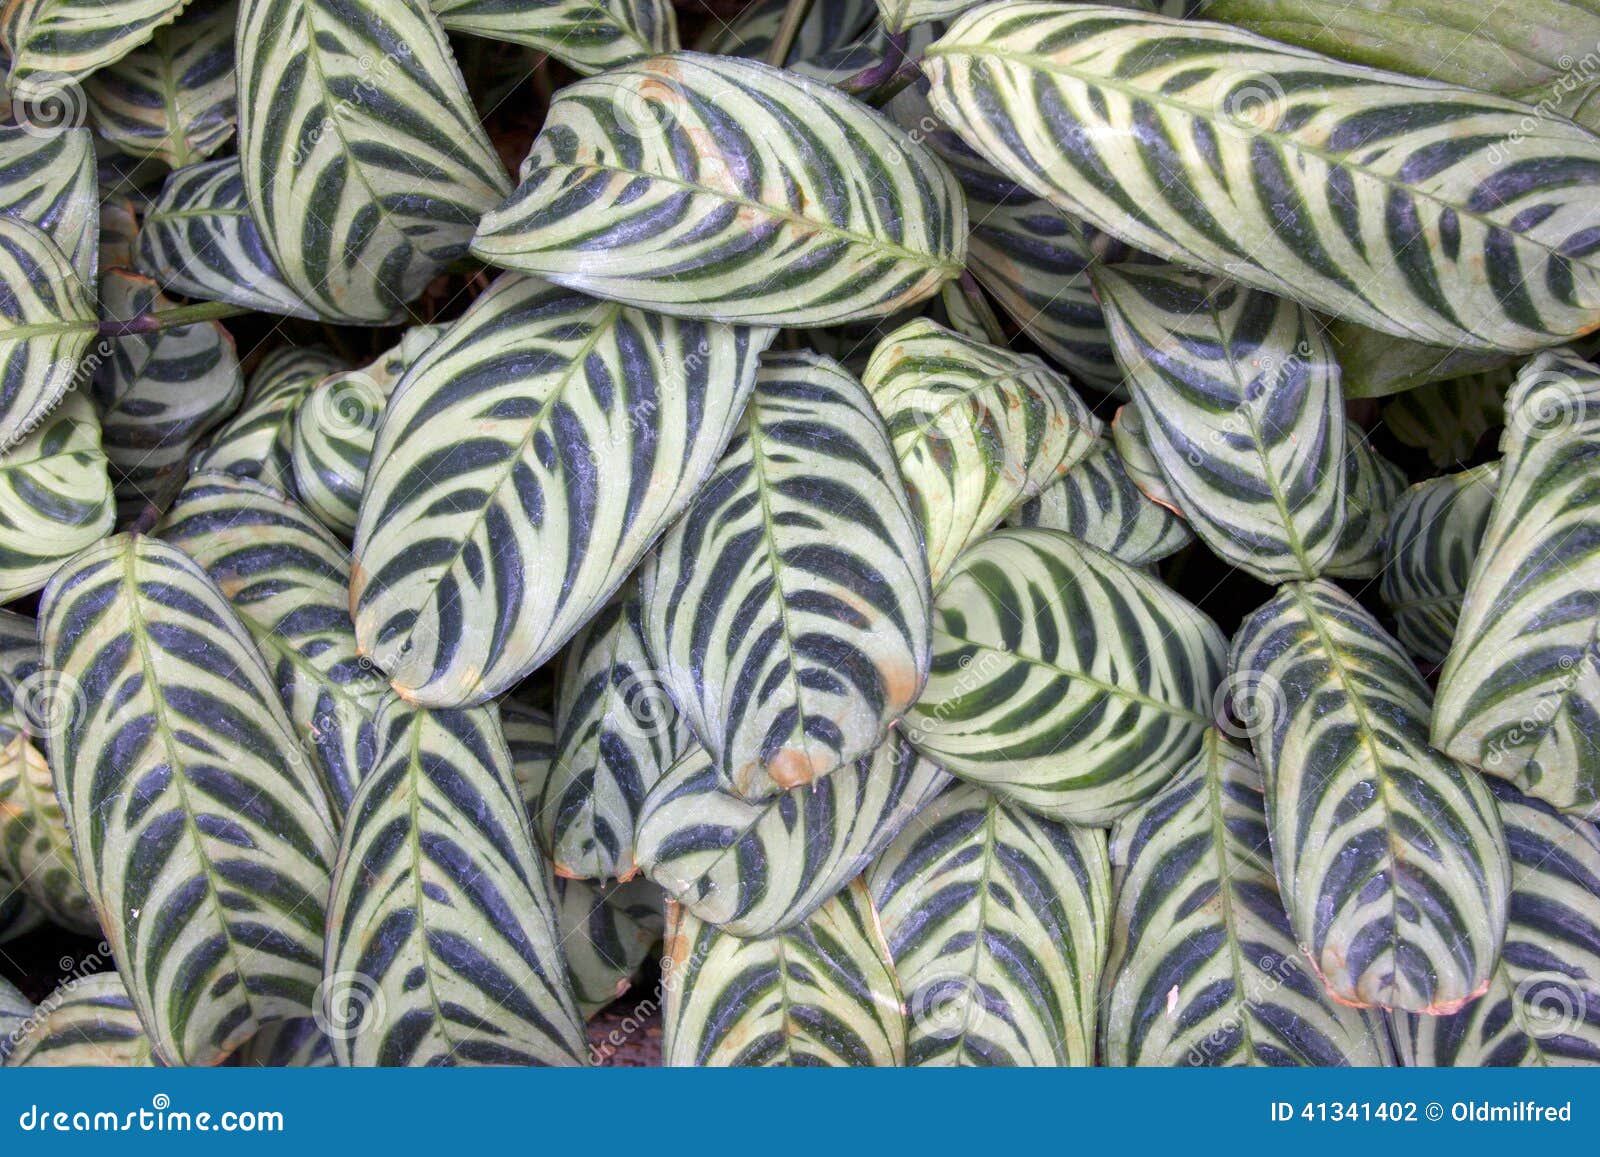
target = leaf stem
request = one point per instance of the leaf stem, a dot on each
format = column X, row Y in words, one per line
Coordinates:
column 171, row 318
column 794, row 14
column 973, row 292
column 869, row 78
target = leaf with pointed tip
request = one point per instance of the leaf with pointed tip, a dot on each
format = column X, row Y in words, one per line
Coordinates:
column 47, row 178
column 587, row 35
column 47, row 320
column 606, row 931
column 54, row 44
column 1448, row 419
column 258, row 442
column 201, row 834
column 1132, row 442
column 821, row 994
column 1096, row 501
column 89, row 1022
column 1372, row 486
column 525, row 464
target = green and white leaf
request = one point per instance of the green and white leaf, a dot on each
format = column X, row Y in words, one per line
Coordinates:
column 442, row 943
column 201, row 834
column 821, row 994
column 47, row 320
column 996, row 920
column 89, row 1022
column 828, row 25
column 1378, row 365
column 15, row 1009
column 1390, row 856
column 1372, row 487
column 606, row 931
column 1064, row 680
column 54, row 44
column 721, row 188
column 1131, row 440
column 288, row 1044
column 1096, row 501
column 364, row 162
column 258, row 442
column 47, row 178
column 588, row 35
column 525, row 464
column 530, row 734
column 899, row 15
column 788, row 609
column 976, row 429
column 1449, row 419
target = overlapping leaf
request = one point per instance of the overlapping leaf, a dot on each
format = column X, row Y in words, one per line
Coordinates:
column 828, row 25
column 588, row 35
column 47, row 178
column 15, row 1009
column 1390, row 856
column 530, row 734
column 1097, row 502
column 1378, row 364
column 606, row 932
column 89, row 1022
column 47, row 320
column 1132, row 442
column 525, row 464
column 258, row 442
column 1372, row 487
column 298, row 1043
column 1448, row 419
column 55, row 43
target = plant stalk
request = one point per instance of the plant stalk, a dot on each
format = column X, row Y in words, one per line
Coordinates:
column 794, row 14
column 171, row 318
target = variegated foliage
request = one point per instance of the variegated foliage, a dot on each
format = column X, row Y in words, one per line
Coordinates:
column 1098, row 502
column 587, row 35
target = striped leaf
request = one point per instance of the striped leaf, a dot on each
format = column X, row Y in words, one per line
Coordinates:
column 47, row 320
column 363, row 159
column 1096, row 501
column 606, row 932
column 1432, row 539
column 616, row 732
column 335, row 426
column 56, row 43
column 288, row 1044
column 15, row 1009
column 258, row 442
column 1132, row 442
column 1378, row 365
column 976, row 429
column 530, row 734
column 828, row 25
column 716, row 187
column 1064, row 680
column 996, row 920
column 89, row 1022
column 1372, row 487
column 1520, row 692
column 588, row 35
column 198, row 239
column 175, row 98
column 288, row 580
column 1543, row 1003
column 1243, row 411
column 159, row 394
column 442, row 944
column 47, row 178
column 821, row 994
column 898, row 15
column 1390, row 856
column 1449, row 419
column 1204, row 968
column 55, row 495
column 203, row 839
column 757, row 868
column 788, row 609
column 1425, row 211
column 488, row 532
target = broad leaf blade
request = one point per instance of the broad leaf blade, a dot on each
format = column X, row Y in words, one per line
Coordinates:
column 90, row 1022
column 588, row 35
column 258, row 442
column 56, row 43
column 1097, row 502
column 47, row 320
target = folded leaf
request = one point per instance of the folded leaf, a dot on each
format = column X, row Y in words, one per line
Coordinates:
column 1132, row 442
column 89, row 1022
column 1096, row 501
column 606, row 932
column 258, row 443
column 47, row 178
column 47, row 320
column 588, row 35
column 1372, row 486
column 56, row 43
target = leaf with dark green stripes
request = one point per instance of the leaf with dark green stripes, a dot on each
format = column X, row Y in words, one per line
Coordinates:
column 976, row 429
column 1449, row 419
column 47, row 320
column 709, row 186
column 55, row 43
column 1543, row 1003
column 530, row 734
column 1432, row 539
column 1519, row 696
column 55, row 495
column 1435, row 213
column 1204, row 968
column 258, row 442
column 524, row 466
column 363, row 159
column 788, row 609
column 588, row 35
column 1390, row 856
column 996, row 921
column 757, row 868
column 198, row 239
column 297, row 1044
column 821, row 994
column 15, row 1009
column 47, row 178
column 899, row 15
column 89, row 1022
column 607, row 931
column 1096, row 501
column 174, row 98
column 1064, row 680
column 828, row 25
column 288, row 579
column 1242, row 409
column 1372, row 486
column 442, row 945
column 201, row 834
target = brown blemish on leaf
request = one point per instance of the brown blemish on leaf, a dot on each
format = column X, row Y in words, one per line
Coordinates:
column 791, row 768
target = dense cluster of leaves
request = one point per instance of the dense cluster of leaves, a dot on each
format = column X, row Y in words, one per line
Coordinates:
column 784, row 530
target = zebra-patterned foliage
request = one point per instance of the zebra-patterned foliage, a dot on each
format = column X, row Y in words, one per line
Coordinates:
column 996, row 922
column 202, row 836
column 1390, row 856
column 842, row 67
column 1378, row 365
column 899, row 15
column 828, row 25
column 1132, row 442
column 1432, row 539
column 1372, row 486
column 442, row 945
column 821, row 994
column 175, row 98
column 258, row 442
column 53, row 44
column 588, row 35
column 616, row 733
column 1449, row 419
column 530, row 734
column 525, row 464
column 1543, row 1003
column 288, row 1044
column 1519, row 696
column 288, row 580
column 198, row 239
column 1063, row 679
column 47, row 178
column 55, row 495
column 1429, row 212
column 15, row 1009
column 757, row 868
column 159, row 394
column 1097, row 502
column 975, row 428
column 364, row 162
column 89, row 1022
column 606, row 931
column 788, row 609
column 335, row 426
column 47, row 320
column 1204, row 968
column 716, row 187
column 1243, row 412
